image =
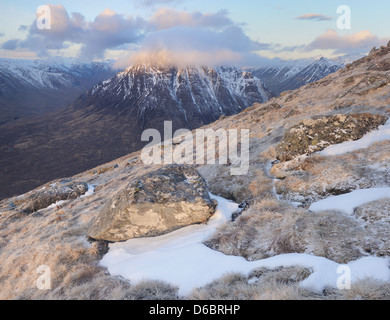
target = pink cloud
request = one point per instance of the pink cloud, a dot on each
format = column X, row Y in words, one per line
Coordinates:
column 359, row 40
column 166, row 18
column 314, row 17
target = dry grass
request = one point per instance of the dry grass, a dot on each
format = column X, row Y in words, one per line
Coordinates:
column 316, row 177
column 271, row 227
column 283, row 284
column 368, row 289
column 256, row 184
column 375, row 211
column 262, row 284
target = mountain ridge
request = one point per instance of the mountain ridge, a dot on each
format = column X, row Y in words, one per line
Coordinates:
column 289, row 75
column 36, row 87
column 271, row 225
column 107, row 121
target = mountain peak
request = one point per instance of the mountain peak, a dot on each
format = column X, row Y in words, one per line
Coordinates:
column 195, row 95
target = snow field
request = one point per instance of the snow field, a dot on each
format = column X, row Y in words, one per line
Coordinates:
column 180, row 258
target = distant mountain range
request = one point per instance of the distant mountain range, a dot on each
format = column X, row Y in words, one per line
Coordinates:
column 290, row 75
column 29, row 87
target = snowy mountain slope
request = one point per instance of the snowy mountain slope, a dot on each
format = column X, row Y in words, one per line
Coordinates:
column 50, row 75
column 33, row 86
column 290, row 75
column 349, row 58
column 195, row 95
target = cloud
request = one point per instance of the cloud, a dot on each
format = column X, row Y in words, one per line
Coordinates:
column 166, row 18
column 10, row 44
column 183, row 58
column 2, row 34
column 362, row 40
column 185, row 46
column 153, row 3
column 108, row 30
column 23, row 28
column 176, row 37
column 314, row 17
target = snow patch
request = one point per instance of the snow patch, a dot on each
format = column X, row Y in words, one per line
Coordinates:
column 58, row 203
column 181, row 258
column 90, row 191
column 348, row 202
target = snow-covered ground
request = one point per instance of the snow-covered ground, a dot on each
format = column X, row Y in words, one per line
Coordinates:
column 181, row 258
column 348, row 202
column 382, row 134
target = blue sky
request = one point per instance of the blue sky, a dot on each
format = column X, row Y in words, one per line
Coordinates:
column 285, row 29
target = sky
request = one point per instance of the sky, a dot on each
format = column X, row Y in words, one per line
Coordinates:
column 242, row 32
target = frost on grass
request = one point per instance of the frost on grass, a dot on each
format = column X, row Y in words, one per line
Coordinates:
column 272, row 227
column 262, row 283
column 375, row 211
column 317, row 177
column 284, row 284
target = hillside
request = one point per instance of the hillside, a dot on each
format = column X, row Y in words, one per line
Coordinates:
column 284, row 243
column 107, row 121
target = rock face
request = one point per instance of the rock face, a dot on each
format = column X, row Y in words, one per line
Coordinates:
column 314, row 135
column 191, row 97
column 154, row 204
column 63, row 190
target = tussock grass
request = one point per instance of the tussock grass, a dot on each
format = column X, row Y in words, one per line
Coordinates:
column 368, row 289
column 271, row 227
column 262, row 284
column 283, row 284
column 316, row 177
column 375, row 211
column 257, row 184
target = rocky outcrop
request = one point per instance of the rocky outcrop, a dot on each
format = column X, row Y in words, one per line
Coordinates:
column 316, row 134
column 154, row 204
column 65, row 189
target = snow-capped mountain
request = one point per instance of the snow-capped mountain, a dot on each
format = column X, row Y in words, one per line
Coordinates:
column 290, row 75
column 35, row 86
column 349, row 58
column 107, row 121
column 191, row 96
column 50, row 75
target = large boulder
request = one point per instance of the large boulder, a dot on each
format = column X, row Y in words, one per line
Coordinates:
column 155, row 204
column 312, row 135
